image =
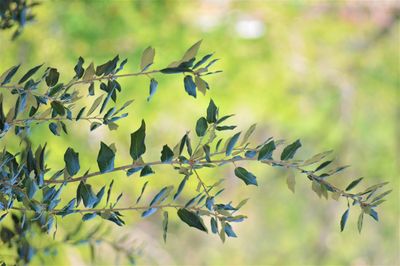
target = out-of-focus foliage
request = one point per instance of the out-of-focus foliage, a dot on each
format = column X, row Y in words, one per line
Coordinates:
column 328, row 72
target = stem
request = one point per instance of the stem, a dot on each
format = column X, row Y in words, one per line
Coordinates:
column 131, row 208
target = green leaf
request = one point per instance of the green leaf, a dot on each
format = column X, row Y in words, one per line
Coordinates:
column 146, row 171
column 190, row 86
column 360, row 221
column 71, row 159
column 141, row 193
column 191, row 52
column 247, row 177
column 232, row 143
column 291, row 181
column 58, row 108
column 147, row 58
column 89, row 73
column 344, row 219
column 322, row 165
column 7, row 76
column 166, row 154
column 354, row 183
column 105, row 158
column 290, row 150
column 181, row 186
column 165, row 226
column 201, row 127
column 161, row 196
column 95, row 104
column 201, row 84
column 266, row 151
column 52, row 77
column 192, row 219
column 212, row 112
column 138, row 147
column 29, row 74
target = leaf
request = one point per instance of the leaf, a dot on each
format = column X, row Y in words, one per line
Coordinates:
column 190, row 86
column 153, row 88
column 52, row 77
column 191, row 52
column 214, row 225
column 71, row 159
column 86, row 193
column 232, row 143
column 165, row 226
column 247, row 177
column 7, row 76
column 78, row 68
column 229, row 231
column 161, row 196
column 105, row 158
column 192, row 219
column 266, row 151
column 95, row 104
column 212, row 112
column 166, row 154
column 291, row 181
column 202, row 61
column 147, row 58
column 201, row 127
column 343, row 220
column 58, row 108
column 360, row 222
column 141, row 193
column 290, row 150
column 54, row 129
column 138, row 147
column 29, row 74
column 89, row 73
column 373, row 214
column 322, row 165
column 149, row 212
column 353, row 184
column 146, row 171
column 133, row 170
column 201, row 84
column 181, row 186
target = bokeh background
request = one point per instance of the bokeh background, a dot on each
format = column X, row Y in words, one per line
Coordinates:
column 323, row 71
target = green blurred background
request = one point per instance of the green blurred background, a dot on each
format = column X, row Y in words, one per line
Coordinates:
column 323, row 71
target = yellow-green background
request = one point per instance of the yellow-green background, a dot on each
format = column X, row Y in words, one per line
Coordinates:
column 320, row 71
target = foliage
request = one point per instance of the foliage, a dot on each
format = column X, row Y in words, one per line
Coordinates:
column 15, row 14
column 32, row 192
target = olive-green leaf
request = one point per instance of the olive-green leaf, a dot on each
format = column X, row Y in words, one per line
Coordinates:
column 147, row 58
column 58, row 108
column 29, row 74
column 192, row 219
column 52, row 77
column 105, row 158
column 191, row 52
column 8, row 74
column 201, row 127
column 166, row 154
column 95, row 104
column 212, row 112
column 266, row 151
column 290, row 150
column 231, row 143
column 138, row 146
column 354, row 183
